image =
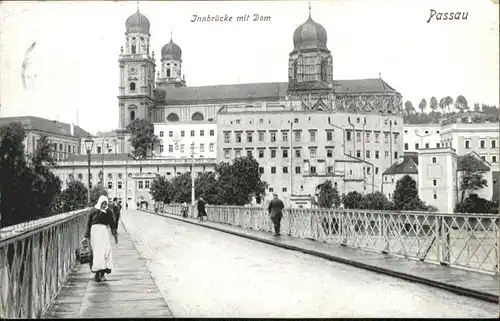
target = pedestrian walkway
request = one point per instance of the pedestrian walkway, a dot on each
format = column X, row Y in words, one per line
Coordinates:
column 129, row 291
column 473, row 284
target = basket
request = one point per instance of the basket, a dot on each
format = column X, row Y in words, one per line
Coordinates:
column 84, row 252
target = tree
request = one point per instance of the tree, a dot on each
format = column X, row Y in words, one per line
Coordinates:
column 422, row 105
column 433, row 104
column 461, row 103
column 143, row 137
column 476, row 204
column 352, row 200
column 162, row 190
column 448, row 101
column 409, row 108
column 405, row 195
column 181, row 186
column 96, row 192
column 471, row 177
column 328, row 195
column 375, row 201
column 74, row 197
column 205, row 186
column 477, row 108
column 442, row 105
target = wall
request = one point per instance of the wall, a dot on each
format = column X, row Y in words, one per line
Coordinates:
column 421, row 136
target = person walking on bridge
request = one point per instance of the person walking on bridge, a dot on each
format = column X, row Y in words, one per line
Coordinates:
column 202, row 212
column 275, row 209
column 97, row 231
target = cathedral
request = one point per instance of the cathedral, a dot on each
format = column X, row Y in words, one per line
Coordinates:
column 364, row 113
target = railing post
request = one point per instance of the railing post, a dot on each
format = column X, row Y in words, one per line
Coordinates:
column 445, row 238
column 385, row 233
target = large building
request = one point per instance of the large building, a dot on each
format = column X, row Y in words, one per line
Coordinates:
column 64, row 138
column 420, row 136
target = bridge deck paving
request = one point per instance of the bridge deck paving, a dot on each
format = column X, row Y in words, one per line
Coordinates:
column 469, row 283
column 129, row 291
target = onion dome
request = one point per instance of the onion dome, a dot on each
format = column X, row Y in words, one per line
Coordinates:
column 310, row 35
column 137, row 23
column 171, row 51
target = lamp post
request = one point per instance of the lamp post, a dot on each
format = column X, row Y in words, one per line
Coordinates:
column 89, row 144
column 192, row 174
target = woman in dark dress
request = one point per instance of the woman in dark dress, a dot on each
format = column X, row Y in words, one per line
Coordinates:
column 100, row 220
column 201, row 209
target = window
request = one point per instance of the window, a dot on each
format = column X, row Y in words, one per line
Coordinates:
column 202, row 133
column 285, row 153
column 285, row 170
column 212, row 132
column 132, row 86
column 348, row 134
column 273, row 153
column 296, row 120
column 368, row 170
column 493, row 159
column 312, row 135
column 170, row 148
column 386, row 154
column 434, row 160
column 170, row 133
column 273, row 137
column 120, row 185
column 261, row 170
column 261, row 153
column 434, row 182
column 284, row 189
column 493, row 144
column 358, row 137
column 212, row 147
column 271, row 189
column 238, row 137
column 297, row 136
column 249, row 137
column 367, row 137
column 202, row 148
column 395, row 155
column 249, row 153
column 482, row 144
column 329, row 169
column 437, row 145
column 284, row 136
column 261, row 136
column 182, row 133
column 146, row 184
column 227, row 137
column 426, row 145
column 386, row 137
column 312, row 152
column 367, row 154
column 161, row 148
column 483, row 157
column 377, row 154
column 358, row 153
column 227, row 153
column 376, row 170
column 406, row 146
column 297, row 153
column 416, row 145
column 182, row 148
column 377, row 138
column 329, row 152
column 297, row 169
column 238, row 153
column 98, row 149
column 261, row 121
column 435, row 196
column 141, row 184
column 192, row 133
column 238, row 121
column 273, row 170
column 329, row 136
column 313, row 170
column 133, row 49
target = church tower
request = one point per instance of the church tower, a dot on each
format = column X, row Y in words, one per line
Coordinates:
column 171, row 66
column 137, row 72
column 310, row 68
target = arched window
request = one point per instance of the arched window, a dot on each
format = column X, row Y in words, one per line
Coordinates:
column 197, row 116
column 132, row 115
column 110, row 185
column 80, row 176
column 173, row 117
column 133, row 49
column 132, row 86
column 168, row 73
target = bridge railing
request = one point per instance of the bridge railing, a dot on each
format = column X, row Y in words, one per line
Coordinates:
column 35, row 260
column 469, row 241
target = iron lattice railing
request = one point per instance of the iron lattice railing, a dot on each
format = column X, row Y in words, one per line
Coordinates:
column 35, row 259
column 469, row 241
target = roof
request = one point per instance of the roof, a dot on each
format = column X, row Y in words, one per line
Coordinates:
column 476, row 163
column 268, row 91
column 45, row 125
column 409, row 165
column 94, row 157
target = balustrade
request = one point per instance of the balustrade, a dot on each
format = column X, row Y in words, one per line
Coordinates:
column 469, row 241
column 35, row 259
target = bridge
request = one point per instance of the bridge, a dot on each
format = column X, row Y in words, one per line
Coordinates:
column 327, row 263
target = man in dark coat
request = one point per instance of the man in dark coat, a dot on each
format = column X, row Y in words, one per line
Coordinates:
column 201, row 209
column 275, row 209
column 116, row 209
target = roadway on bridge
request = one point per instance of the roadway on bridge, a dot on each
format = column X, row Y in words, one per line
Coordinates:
column 205, row 273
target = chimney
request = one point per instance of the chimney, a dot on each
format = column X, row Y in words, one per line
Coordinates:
column 72, row 129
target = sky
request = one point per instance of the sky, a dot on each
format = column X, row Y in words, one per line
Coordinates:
column 73, row 68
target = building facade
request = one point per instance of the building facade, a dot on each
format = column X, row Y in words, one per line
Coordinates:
column 63, row 138
column 405, row 165
column 125, row 178
column 421, row 136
